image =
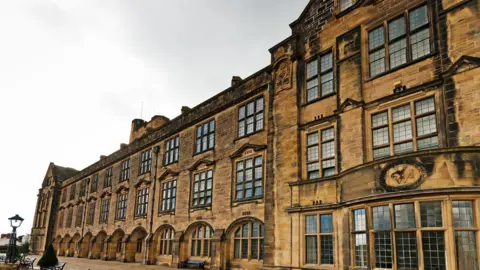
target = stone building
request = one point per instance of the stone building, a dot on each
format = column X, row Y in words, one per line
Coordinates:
column 358, row 147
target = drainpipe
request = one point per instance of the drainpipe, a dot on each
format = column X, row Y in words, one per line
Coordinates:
column 156, row 150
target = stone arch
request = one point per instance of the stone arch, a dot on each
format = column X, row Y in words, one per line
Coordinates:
column 197, row 241
column 245, row 240
column 71, row 245
column 161, row 244
column 114, row 245
column 136, row 245
column 84, row 245
column 63, row 245
column 56, row 244
column 98, row 247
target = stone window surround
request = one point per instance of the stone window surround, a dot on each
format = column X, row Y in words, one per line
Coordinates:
column 202, row 169
column 408, row 33
column 160, row 197
column 386, row 106
column 173, row 149
column 137, row 190
column 248, row 155
column 260, row 238
column 317, row 57
column 125, row 170
column 317, row 128
column 195, row 137
column 244, row 104
column 303, row 245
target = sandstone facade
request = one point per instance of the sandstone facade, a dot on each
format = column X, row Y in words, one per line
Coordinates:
column 358, row 147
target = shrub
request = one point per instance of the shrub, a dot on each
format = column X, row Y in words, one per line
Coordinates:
column 49, row 258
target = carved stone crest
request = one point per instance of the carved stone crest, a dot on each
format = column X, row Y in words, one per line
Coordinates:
column 402, row 175
column 283, row 76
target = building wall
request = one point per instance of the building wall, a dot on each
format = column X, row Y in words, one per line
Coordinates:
column 353, row 175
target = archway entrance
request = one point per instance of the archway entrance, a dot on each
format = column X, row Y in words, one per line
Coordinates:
column 114, row 250
column 162, row 244
column 85, row 246
column 135, row 247
column 98, row 247
column 72, row 245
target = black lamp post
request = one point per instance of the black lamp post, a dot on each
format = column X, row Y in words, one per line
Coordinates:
column 15, row 222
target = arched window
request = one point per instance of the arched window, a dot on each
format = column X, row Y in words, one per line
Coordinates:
column 166, row 237
column 201, row 241
column 248, row 241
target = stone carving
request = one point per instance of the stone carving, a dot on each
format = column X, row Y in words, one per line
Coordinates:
column 402, row 175
column 283, row 76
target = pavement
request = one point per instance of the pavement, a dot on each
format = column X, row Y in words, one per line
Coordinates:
column 86, row 264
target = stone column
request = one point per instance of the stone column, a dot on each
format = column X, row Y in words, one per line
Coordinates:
column 123, row 252
column 91, row 246
column 148, row 257
column 217, row 254
column 176, row 256
column 106, row 248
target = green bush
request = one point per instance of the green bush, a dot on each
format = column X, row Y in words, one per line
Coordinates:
column 49, row 258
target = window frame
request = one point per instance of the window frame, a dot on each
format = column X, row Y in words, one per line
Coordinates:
column 193, row 243
column 320, row 145
column 121, row 206
column 260, row 238
column 244, row 169
column 165, row 242
column 94, row 185
column 318, row 76
column 205, row 190
column 474, row 228
column 107, row 180
column 199, row 138
column 141, row 202
column 91, row 212
column 407, row 35
column 255, row 116
column 125, row 170
column 172, row 151
column 104, row 210
column 169, row 188
column 413, row 125
column 73, row 188
column 145, row 161
column 79, row 215
column 318, row 237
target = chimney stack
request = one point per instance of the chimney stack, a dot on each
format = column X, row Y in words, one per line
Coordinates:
column 185, row 109
column 236, row 80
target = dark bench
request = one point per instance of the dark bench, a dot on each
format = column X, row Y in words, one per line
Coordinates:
column 2, row 258
column 198, row 264
column 59, row 266
column 27, row 262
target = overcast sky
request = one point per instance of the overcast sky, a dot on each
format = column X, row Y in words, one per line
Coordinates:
column 74, row 73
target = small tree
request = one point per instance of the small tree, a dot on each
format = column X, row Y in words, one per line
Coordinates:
column 49, row 258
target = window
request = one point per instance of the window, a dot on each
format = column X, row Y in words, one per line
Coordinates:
column 171, row 150
column 69, row 218
column 79, row 217
column 248, row 241
column 146, row 161
column 94, row 185
column 344, row 4
column 104, row 210
column 91, row 213
column 121, row 206
column 60, row 219
column 142, row 202
column 395, row 234
column 125, row 174
column 250, row 117
column 169, row 193
column 72, row 192
column 139, row 245
column 405, row 44
column 201, row 241
column 83, row 187
column 64, row 195
column 202, row 188
column 401, row 129
column 108, row 178
column 360, row 237
column 205, row 137
column 320, row 73
column 249, row 178
column 324, row 157
column 465, row 242
column 319, row 239
column 166, row 240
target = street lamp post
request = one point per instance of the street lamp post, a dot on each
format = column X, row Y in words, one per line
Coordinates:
column 15, row 222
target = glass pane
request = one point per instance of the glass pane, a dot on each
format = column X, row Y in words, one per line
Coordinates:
column 326, row 223
column 383, row 250
column 326, row 242
column 402, row 131
column 381, row 218
column 428, row 143
column 359, row 220
column 380, row 119
column 424, row 106
column 426, row 125
column 376, row 38
column 396, row 28
column 326, row 62
column 403, row 148
column 327, row 134
column 418, row 17
column 398, row 53
column 420, row 44
column 259, row 105
column 244, row 248
column 361, row 251
column 254, row 250
column 255, row 229
column 380, row 136
column 311, row 250
column 377, row 62
column 328, row 150
column 462, row 214
column 312, row 138
column 344, row 4
column 327, row 83
column 381, row 152
column 406, row 244
column 401, row 113
column 433, row 244
column 312, row 69
column 431, row 214
column 404, row 216
column 466, row 250
column 311, row 224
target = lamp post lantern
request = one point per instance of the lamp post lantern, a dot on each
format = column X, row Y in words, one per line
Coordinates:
column 15, row 222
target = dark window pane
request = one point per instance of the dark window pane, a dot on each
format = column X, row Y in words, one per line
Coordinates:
column 311, row 224
column 406, row 244
column 326, row 224
column 383, row 250
column 433, row 244
column 376, row 38
column 462, row 214
column 396, row 28
column 431, row 214
column 361, row 250
column 326, row 242
column 418, row 17
column 311, row 249
column 381, row 218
